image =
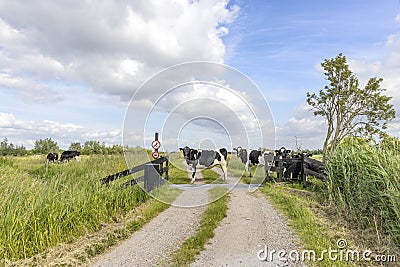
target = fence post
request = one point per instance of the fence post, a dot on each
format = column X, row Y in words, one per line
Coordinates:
column 151, row 176
column 303, row 173
column 280, row 170
column 166, row 165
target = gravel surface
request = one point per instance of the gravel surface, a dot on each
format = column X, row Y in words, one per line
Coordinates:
column 160, row 237
column 251, row 225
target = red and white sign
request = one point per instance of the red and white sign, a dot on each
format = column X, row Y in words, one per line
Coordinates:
column 156, row 144
column 155, row 155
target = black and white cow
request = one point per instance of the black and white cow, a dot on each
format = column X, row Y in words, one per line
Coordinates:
column 52, row 157
column 69, row 154
column 205, row 158
column 283, row 153
column 254, row 158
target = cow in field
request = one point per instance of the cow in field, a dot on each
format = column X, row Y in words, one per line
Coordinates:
column 69, row 154
column 52, row 157
column 254, row 158
column 205, row 158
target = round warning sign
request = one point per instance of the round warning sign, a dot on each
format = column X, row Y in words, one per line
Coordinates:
column 156, row 144
column 155, row 155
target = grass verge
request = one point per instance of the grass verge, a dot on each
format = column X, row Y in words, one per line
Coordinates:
column 312, row 232
column 80, row 252
column 177, row 175
column 214, row 213
column 210, row 176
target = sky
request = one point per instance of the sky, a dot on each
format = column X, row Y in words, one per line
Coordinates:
column 117, row 71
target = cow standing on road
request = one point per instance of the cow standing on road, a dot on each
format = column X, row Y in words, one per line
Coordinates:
column 205, row 158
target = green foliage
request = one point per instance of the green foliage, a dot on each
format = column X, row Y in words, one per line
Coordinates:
column 94, row 147
column 390, row 143
column 75, row 146
column 44, row 146
column 8, row 149
column 347, row 108
column 364, row 182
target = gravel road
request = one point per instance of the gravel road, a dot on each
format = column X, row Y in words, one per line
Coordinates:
column 160, row 237
column 250, row 226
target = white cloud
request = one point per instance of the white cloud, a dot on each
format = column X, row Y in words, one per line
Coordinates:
column 26, row 132
column 70, row 55
column 309, row 129
column 112, row 47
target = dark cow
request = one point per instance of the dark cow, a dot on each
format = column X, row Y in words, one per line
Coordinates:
column 253, row 159
column 283, row 153
column 52, row 157
column 69, row 154
column 205, row 158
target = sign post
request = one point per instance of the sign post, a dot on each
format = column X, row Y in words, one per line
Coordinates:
column 155, row 145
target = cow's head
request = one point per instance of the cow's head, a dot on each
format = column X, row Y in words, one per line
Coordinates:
column 258, row 157
column 239, row 151
column 283, row 153
column 189, row 153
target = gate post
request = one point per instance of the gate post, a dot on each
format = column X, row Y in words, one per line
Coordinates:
column 152, row 177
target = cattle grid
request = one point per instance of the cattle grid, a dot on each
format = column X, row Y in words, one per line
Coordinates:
column 152, row 178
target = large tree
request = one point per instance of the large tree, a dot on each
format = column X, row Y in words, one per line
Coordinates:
column 43, row 146
column 347, row 108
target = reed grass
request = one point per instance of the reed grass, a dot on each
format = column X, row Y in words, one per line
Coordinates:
column 40, row 209
column 364, row 183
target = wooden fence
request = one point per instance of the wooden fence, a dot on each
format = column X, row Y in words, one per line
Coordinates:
column 152, row 177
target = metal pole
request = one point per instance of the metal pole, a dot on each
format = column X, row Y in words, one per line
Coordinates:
column 156, row 139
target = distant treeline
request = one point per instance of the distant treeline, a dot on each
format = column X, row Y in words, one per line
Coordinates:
column 44, row 146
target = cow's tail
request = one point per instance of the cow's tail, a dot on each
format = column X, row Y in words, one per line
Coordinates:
column 224, row 152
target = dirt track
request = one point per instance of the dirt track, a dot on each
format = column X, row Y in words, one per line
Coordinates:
column 250, row 226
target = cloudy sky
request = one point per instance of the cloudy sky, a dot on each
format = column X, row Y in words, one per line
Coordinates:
column 72, row 70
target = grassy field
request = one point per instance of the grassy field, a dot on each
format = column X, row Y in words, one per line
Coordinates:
column 42, row 209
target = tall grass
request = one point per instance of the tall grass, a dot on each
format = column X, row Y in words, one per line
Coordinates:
column 40, row 209
column 364, row 181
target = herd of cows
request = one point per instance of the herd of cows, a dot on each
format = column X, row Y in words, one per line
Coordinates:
column 195, row 158
column 210, row 158
column 65, row 156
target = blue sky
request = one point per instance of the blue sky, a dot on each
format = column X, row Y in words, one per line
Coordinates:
column 69, row 69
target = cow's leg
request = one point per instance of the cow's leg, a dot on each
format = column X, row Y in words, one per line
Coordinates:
column 246, row 169
column 225, row 171
column 194, row 173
